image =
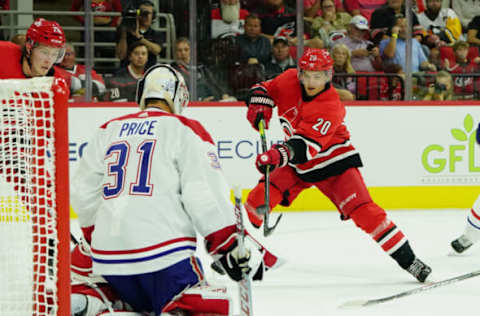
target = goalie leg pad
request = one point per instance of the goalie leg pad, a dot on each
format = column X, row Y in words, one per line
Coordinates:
column 86, row 305
column 200, row 300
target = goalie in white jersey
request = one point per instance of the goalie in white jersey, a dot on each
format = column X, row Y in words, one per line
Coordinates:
column 145, row 183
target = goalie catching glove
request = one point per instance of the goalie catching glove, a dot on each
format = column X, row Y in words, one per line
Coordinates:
column 260, row 105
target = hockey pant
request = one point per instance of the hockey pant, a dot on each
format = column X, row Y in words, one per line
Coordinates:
column 149, row 292
column 349, row 194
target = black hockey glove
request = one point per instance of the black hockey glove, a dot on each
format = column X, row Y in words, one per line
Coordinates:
column 235, row 264
column 260, row 105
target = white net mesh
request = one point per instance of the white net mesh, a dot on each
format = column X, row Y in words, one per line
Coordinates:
column 28, row 236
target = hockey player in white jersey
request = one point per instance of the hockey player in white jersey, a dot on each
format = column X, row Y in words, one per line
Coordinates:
column 145, row 184
column 472, row 228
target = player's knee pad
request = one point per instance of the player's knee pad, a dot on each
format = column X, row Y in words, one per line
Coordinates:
column 369, row 217
column 204, row 299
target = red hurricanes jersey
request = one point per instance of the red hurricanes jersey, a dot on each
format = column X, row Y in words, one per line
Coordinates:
column 314, row 127
column 11, row 53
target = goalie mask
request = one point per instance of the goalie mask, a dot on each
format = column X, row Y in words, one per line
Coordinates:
column 165, row 83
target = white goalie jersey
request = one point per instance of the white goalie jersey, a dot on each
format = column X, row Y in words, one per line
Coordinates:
column 145, row 182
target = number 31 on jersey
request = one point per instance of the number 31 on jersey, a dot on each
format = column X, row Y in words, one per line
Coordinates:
column 118, row 168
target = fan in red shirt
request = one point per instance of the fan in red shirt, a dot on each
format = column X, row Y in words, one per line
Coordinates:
column 318, row 152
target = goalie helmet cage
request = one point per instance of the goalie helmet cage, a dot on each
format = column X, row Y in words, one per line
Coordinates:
column 34, row 200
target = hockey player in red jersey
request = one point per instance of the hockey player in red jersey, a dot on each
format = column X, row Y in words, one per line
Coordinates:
column 44, row 46
column 318, row 152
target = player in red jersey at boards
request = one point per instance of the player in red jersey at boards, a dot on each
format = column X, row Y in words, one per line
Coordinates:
column 318, row 152
column 44, row 46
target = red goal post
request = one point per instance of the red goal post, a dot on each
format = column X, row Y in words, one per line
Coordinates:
column 34, row 199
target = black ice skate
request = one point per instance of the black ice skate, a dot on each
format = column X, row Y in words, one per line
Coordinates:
column 461, row 244
column 419, row 270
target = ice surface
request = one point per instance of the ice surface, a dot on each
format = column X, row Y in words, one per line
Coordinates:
column 330, row 262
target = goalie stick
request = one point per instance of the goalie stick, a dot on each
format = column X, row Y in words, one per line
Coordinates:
column 245, row 285
column 362, row 303
column 265, row 209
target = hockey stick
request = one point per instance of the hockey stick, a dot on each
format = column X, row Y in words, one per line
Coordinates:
column 265, row 209
column 74, row 239
column 361, row 303
column 245, row 285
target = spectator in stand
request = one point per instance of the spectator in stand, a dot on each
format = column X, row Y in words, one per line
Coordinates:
column 98, row 20
column 342, row 64
column 277, row 19
column 229, row 19
column 463, row 85
column 473, row 31
column 254, row 47
column 442, row 89
column 78, row 71
column 313, row 8
column 141, row 31
column 384, row 18
column 365, row 55
column 281, row 60
column 18, row 39
column 392, row 49
column 466, row 10
column 4, row 5
column 208, row 88
column 441, row 24
column 331, row 25
column 363, row 7
column 123, row 85
column 434, row 58
column 391, row 88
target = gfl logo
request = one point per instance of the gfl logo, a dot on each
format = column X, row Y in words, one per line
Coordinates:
column 437, row 158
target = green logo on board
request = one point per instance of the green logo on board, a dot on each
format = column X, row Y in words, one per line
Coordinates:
column 458, row 155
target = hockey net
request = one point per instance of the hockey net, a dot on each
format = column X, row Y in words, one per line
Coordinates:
column 34, row 202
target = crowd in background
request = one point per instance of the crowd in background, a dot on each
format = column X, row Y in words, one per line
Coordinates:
column 241, row 42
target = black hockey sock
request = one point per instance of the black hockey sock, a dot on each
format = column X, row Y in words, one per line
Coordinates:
column 404, row 255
